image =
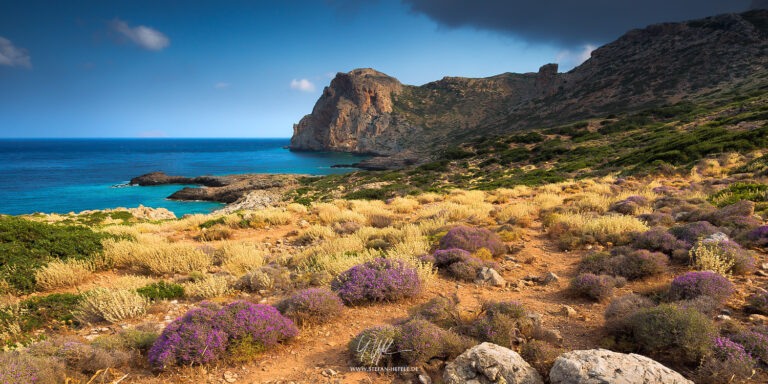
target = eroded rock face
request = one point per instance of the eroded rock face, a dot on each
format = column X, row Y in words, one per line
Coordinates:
column 353, row 115
column 601, row 366
column 488, row 363
column 365, row 111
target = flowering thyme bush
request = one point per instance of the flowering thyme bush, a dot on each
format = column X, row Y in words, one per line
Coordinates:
column 419, row 340
column 756, row 344
column 472, row 239
column 17, row 370
column 678, row 334
column 203, row 334
column 629, row 206
column 375, row 345
column 261, row 323
column 693, row 232
column 377, row 280
column 727, row 350
column 758, row 302
column 701, row 283
column 657, row 218
column 658, row 239
column 446, row 257
column 758, row 236
column 311, row 305
column 191, row 339
column 592, row 286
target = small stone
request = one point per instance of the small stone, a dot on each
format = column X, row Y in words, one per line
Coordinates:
column 550, row 278
column 230, row 377
column 567, row 311
column 764, row 266
column 425, row 379
column 722, row 317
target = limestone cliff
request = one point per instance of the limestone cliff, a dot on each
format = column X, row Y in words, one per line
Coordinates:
column 365, row 111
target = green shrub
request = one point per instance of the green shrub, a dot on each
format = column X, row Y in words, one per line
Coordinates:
column 672, row 333
column 738, row 192
column 161, row 290
column 26, row 246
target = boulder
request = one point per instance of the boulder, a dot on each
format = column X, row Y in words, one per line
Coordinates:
column 598, row 366
column 489, row 276
column 488, row 363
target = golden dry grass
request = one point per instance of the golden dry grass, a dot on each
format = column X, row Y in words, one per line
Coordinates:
column 207, row 288
column 62, row 274
column 238, row 258
column 110, row 305
column 514, row 212
column 154, row 255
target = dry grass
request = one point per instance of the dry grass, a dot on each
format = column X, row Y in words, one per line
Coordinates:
column 513, row 213
column 110, row 305
column 130, row 282
column 403, row 205
column 465, row 197
column 428, row 197
column 208, row 288
column 315, row 233
column 548, row 200
column 62, row 274
column 154, row 255
column 601, row 227
column 238, row 258
column 591, row 202
column 296, row 208
column 330, row 214
column 272, row 216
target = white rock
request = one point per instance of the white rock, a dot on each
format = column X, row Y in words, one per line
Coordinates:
column 598, row 366
column 490, row 363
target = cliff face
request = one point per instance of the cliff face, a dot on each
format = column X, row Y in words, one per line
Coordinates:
column 365, row 111
column 354, row 114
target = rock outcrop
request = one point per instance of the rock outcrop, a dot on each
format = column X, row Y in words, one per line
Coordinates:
column 222, row 189
column 354, row 114
column 488, row 363
column 598, row 366
column 368, row 112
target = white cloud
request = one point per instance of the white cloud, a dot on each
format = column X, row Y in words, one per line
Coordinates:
column 143, row 36
column 303, row 85
column 13, row 56
column 570, row 59
column 222, row 85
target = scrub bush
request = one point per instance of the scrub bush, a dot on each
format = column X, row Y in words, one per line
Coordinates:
column 311, row 306
column 377, row 280
column 673, row 333
column 592, row 286
column 701, row 283
column 472, row 239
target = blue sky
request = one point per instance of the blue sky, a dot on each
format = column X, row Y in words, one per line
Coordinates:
column 228, row 68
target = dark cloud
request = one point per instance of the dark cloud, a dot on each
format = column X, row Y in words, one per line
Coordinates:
column 570, row 22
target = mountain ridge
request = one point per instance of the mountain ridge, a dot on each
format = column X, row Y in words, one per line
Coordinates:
column 366, row 111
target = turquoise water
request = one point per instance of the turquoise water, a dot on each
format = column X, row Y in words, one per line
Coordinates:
column 72, row 175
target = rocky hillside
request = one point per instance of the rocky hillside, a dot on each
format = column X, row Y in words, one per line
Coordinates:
column 365, row 111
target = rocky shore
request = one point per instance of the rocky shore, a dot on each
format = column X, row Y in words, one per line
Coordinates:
column 223, row 189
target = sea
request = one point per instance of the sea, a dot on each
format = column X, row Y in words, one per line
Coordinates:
column 73, row 175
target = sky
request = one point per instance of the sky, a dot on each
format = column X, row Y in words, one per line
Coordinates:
column 190, row 68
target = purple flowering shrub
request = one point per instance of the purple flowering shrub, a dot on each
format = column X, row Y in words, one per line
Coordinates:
column 190, row 339
column 203, row 334
column 540, row 355
column 629, row 206
column 446, row 257
column 672, row 333
column 659, row 240
column 596, row 287
column 727, row 350
column 625, row 262
column 311, row 305
column 419, row 340
column 461, row 264
column 758, row 237
column 693, row 232
column 754, row 343
column 377, row 280
column 758, row 303
column 701, row 283
column 15, row 369
column 472, row 239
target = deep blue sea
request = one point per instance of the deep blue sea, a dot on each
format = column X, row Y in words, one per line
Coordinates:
column 66, row 175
